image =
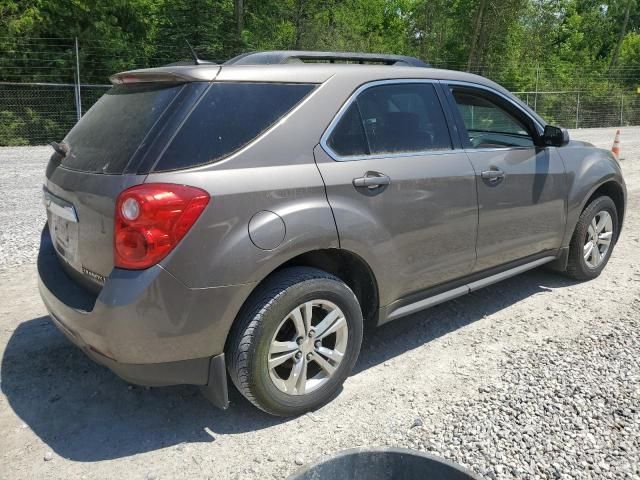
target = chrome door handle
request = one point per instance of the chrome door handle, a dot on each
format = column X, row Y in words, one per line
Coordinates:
column 493, row 175
column 371, row 180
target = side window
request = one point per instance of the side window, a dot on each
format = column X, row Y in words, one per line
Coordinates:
column 488, row 124
column 393, row 118
column 348, row 138
column 228, row 117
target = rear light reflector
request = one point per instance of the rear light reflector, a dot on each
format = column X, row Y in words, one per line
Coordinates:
column 151, row 219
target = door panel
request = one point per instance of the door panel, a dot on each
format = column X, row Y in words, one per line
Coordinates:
column 524, row 212
column 418, row 231
column 521, row 186
column 402, row 198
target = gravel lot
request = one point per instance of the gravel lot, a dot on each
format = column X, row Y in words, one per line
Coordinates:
column 537, row 377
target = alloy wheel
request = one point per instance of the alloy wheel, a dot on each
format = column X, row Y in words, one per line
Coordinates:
column 308, row 347
column 598, row 239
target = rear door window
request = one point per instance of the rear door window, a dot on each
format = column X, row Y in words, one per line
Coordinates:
column 108, row 135
column 228, row 117
column 392, row 118
column 348, row 138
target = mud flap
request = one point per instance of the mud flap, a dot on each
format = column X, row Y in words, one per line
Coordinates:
column 216, row 390
column 560, row 263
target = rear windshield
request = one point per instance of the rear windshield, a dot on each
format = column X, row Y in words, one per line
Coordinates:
column 108, row 135
column 227, row 118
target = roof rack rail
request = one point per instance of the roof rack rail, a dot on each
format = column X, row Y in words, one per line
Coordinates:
column 276, row 57
column 184, row 63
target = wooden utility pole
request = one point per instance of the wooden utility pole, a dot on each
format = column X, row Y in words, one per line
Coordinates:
column 623, row 32
column 238, row 12
column 298, row 22
column 478, row 25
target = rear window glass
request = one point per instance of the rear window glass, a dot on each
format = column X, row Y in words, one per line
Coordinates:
column 227, row 118
column 108, row 135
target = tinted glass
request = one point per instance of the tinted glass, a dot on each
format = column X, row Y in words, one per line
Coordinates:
column 227, row 118
column 348, row 137
column 488, row 124
column 403, row 118
column 110, row 132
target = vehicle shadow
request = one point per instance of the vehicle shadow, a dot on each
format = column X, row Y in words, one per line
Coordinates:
column 394, row 338
column 85, row 413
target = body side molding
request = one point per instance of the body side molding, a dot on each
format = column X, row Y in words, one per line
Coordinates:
column 462, row 290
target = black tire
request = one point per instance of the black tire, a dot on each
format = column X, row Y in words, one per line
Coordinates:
column 256, row 325
column 577, row 267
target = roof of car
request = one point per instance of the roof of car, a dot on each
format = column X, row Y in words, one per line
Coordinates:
column 295, row 66
column 291, row 72
column 290, row 66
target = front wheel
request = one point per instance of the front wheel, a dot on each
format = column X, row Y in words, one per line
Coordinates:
column 593, row 239
column 296, row 341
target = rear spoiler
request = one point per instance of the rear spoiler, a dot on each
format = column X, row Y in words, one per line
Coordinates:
column 169, row 74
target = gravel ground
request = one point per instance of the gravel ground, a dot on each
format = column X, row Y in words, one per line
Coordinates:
column 537, row 377
column 22, row 215
column 568, row 409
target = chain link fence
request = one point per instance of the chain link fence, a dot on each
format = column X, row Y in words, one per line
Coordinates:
column 34, row 110
column 38, row 113
column 585, row 109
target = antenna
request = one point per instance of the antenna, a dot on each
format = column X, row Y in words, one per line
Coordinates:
column 194, row 54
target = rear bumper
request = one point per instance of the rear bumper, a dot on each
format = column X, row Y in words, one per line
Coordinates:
column 146, row 326
column 195, row 371
column 209, row 373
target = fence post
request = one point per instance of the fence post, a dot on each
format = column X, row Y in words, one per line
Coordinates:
column 77, row 87
column 622, row 109
column 578, row 111
column 535, row 98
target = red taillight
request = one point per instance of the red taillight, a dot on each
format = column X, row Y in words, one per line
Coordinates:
column 151, row 219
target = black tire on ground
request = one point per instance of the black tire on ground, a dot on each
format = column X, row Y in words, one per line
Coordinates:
column 577, row 267
column 250, row 339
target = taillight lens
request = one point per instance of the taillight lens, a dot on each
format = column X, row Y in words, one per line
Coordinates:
column 151, row 219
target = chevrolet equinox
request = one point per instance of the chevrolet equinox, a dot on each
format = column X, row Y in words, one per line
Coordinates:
column 249, row 219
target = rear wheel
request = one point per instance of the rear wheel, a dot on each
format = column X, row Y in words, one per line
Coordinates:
column 295, row 341
column 593, row 239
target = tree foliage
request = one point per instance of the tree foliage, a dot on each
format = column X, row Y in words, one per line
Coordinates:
column 570, row 45
column 507, row 39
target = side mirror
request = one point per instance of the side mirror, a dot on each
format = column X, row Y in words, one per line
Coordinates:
column 555, row 136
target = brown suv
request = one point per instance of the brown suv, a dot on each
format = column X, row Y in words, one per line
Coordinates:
column 251, row 217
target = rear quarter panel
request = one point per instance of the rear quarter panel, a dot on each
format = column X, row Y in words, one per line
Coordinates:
column 218, row 250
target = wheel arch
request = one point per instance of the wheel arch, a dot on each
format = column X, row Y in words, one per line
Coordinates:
column 351, row 269
column 346, row 265
column 614, row 190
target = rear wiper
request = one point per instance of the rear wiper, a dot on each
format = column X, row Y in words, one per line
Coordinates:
column 61, row 148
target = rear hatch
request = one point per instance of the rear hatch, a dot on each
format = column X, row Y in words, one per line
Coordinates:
column 112, row 148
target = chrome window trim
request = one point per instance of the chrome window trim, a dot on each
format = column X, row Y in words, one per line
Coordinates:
column 498, row 149
column 365, row 86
